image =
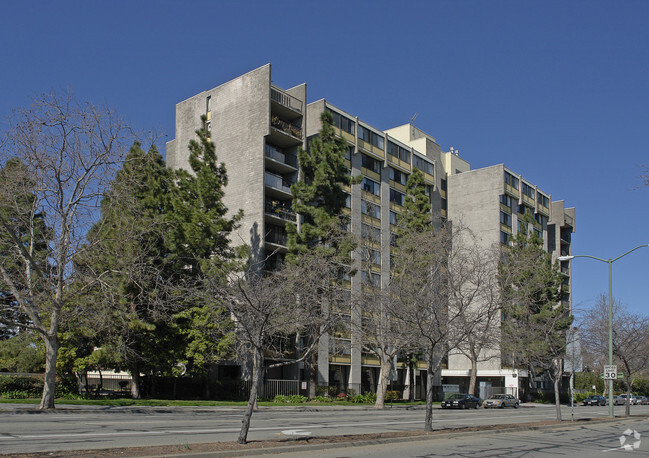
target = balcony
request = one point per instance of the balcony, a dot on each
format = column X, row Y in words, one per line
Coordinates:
column 276, row 236
column 286, row 127
column 277, row 186
column 279, row 161
column 280, row 211
column 285, row 100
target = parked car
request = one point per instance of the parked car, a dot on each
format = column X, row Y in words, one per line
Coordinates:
column 461, row 401
column 618, row 401
column 632, row 399
column 502, row 401
column 642, row 401
column 595, row 400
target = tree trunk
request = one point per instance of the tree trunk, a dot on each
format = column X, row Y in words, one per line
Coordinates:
column 49, row 383
column 558, row 371
column 428, row 422
column 384, row 379
column 627, row 404
column 313, row 373
column 136, row 382
column 257, row 374
column 411, row 377
column 474, row 375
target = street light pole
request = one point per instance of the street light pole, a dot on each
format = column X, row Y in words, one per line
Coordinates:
column 610, row 312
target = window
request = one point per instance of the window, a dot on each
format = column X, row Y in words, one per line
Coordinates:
column 511, row 180
column 371, row 209
column 208, row 104
column 342, row 122
column 527, row 190
column 443, row 185
column 542, row 200
column 444, row 204
column 371, row 137
column 525, row 210
column 506, row 200
column 538, row 234
column 364, row 134
column 371, row 278
column 371, row 164
column 396, row 196
column 504, row 238
column 541, row 219
column 370, row 232
column 393, row 239
column 349, row 152
column 371, row 186
column 522, row 227
column 348, row 201
column 372, row 256
column 398, row 152
column 394, row 218
column 506, row 219
column 398, row 176
column 422, row 164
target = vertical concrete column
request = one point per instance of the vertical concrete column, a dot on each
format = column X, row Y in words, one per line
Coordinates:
column 355, row 369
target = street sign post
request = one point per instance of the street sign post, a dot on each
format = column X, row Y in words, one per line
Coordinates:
column 610, row 372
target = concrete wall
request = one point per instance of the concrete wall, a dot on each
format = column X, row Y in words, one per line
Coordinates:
column 240, row 117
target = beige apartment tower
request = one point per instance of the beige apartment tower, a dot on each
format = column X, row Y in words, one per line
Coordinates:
column 257, row 128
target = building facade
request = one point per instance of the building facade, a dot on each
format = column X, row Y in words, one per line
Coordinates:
column 257, row 129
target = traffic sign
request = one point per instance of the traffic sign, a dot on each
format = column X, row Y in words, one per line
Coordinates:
column 610, row 372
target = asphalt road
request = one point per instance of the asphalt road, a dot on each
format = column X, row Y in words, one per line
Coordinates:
column 607, row 440
column 24, row 430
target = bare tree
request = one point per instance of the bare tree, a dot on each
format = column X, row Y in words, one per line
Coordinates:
column 630, row 339
column 429, row 294
column 68, row 151
column 270, row 309
column 482, row 302
column 380, row 332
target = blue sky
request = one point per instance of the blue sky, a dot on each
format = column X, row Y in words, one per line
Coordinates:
column 556, row 90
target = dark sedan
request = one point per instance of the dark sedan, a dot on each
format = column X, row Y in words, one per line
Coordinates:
column 595, row 400
column 461, row 401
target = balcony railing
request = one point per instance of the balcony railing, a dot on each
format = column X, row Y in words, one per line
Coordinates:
column 278, row 238
column 284, row 99
column 277, row 182
column 286, row 127
column 280, row 211
column 278, row 155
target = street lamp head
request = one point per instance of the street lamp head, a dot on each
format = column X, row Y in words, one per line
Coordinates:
column 565, row 258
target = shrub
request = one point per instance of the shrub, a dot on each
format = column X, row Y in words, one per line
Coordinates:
column 323, row 399
column 20, row 385
column 393, row 395
column 341, row 396
column 280, row 398
column 297, row 399
column 370, row 398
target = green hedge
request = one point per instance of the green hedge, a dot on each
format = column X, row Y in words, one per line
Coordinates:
column 25, row 387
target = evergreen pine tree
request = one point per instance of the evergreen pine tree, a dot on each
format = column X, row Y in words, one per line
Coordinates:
column 416, row 214
column 319, row 195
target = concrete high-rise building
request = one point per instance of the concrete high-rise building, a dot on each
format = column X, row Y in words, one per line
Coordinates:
column 496, row 203
column 257, row 128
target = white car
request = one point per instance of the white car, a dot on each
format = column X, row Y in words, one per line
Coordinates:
column 632, row 400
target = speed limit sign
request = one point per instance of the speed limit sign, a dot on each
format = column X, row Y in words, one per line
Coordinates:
column 610, row 372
